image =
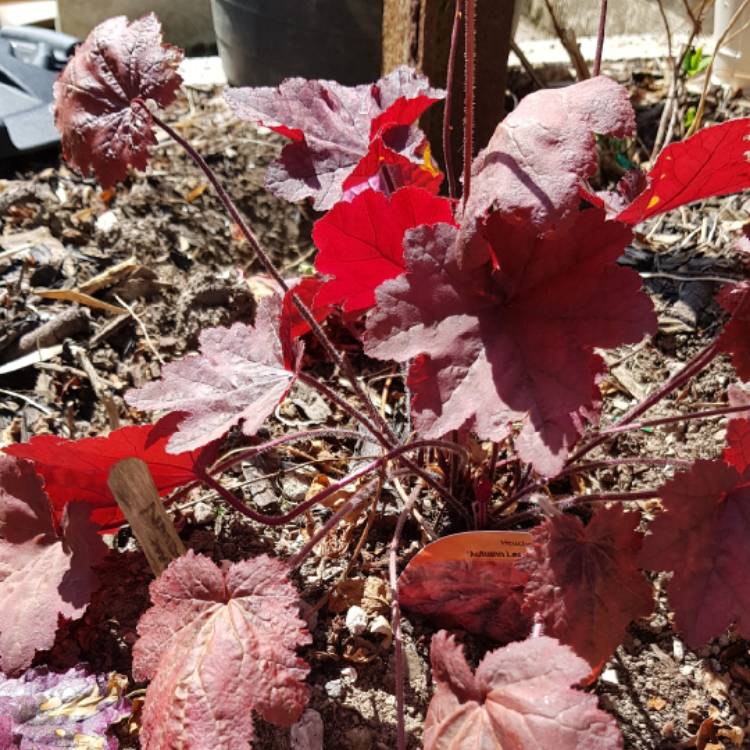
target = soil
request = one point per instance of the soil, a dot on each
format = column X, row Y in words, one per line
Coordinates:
column 189, row 271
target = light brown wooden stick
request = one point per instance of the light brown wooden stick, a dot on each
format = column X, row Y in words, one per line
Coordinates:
column 136, row 494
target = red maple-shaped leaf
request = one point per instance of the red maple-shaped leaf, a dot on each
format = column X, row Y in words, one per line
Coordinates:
column 515, row 345
column 331, row 127
column 702, row 537
column 239, row 375
column 360, row 244
column 218, row 643
column 520, row 697
column 100, row 96
column 711, row 162
column 45, row 570
column 79, row 469
column 584, row 582
column 737, row 452
column 734, row 339
column 534, row 164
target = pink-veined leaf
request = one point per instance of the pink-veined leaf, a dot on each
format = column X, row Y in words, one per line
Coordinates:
column 711, row 162
column 238, row 376
column 331, row 127
column 536, row 160
column 702, row 537
column 584, row 583
column 100, row 96
column 218, row 643
column 521, row 697
column 735, row 338
column 79, row 469
column 48, row 710
column 45, row 572
column 360, row 244
column 513, row 346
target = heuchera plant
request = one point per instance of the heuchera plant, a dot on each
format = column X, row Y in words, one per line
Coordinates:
column 495, row 305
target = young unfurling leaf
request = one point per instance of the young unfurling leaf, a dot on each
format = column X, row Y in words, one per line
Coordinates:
column 100, row 96
column 217, row 644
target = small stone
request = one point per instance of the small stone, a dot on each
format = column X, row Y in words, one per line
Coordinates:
column 381, row 626
column 307, row 733
column 334, row 688
column 203, row 513
column 686, row 669
column 349, row 674
column 678, row 649
column 610, row 676
column 356, row 620
column 106, row 222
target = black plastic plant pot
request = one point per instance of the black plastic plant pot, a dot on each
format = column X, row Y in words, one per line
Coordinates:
column 262, row 42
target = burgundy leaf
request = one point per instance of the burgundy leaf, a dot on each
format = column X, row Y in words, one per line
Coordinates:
column 735, row 299
column 45, row 710
column 737, row 452
column 535, row 162
column 521, row 697
column 360, row 243
column 711, row 162
column 239, row 375
column 100, row 96
column 331, row 127
column 218, row 643
column 702, row 536
column 45, row 573
column 79, row 469
column 584, row 583
column 513, row 346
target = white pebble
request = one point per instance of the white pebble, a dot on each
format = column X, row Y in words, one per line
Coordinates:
column 356, row 620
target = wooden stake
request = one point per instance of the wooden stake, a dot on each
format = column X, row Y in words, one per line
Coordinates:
column 136, row 494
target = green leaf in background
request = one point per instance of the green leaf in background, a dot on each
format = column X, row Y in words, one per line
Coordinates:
column 695, row 62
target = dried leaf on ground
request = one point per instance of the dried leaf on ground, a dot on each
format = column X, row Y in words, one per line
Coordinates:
column 217, row 644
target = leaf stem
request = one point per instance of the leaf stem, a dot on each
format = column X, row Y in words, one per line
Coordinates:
column 338, row 358
column 398, row 653
column 600, row 39
column 469, row 70
column 450, row 83
column 692, row 368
